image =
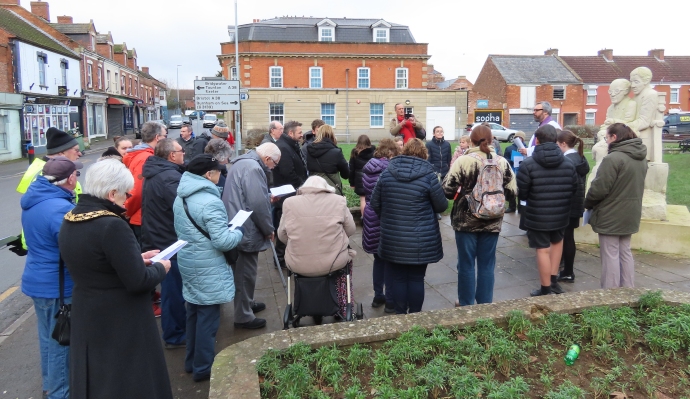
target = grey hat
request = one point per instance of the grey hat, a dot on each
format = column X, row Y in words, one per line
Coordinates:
column 60, row 167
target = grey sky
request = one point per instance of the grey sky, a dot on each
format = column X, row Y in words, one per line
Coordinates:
column 460, row 33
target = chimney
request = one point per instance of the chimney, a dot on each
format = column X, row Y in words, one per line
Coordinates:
column 552, row 52
column 607, row 54
column 64, row 19
column 657, row 53
column 145, row 70
column 40, row 9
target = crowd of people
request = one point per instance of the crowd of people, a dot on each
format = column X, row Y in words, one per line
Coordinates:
column 140, row 199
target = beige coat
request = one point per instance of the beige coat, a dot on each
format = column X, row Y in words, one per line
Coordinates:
column 316, row 225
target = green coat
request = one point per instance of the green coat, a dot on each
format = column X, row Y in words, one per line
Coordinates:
column 616, row 192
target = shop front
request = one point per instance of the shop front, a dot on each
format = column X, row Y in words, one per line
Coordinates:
column 96, row 115
column 42, row 113
column 119, row 112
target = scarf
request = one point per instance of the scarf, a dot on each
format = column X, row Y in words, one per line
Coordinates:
column 407, row 130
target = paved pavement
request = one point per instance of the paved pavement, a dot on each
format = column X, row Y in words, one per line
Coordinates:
column 516, row 276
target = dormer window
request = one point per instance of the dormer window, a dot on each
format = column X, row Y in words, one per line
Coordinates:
column 326, row 30
column 381, row 32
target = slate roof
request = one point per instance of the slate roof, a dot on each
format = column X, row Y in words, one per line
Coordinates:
column 28, row 33
column 595, row 69
column 102, row 39
column 533, row 69
column 306, row 30
column 72, row 29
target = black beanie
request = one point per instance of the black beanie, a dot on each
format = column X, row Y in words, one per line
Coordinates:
column 58, row 141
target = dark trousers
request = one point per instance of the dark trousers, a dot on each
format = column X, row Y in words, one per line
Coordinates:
column 382, row 281
column 280, row 246
column 173, row 318
column 569, row 248
column 408, row 286
column 202, row 326
column 512, row 204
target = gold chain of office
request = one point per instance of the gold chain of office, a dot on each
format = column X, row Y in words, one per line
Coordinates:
column 83, row 217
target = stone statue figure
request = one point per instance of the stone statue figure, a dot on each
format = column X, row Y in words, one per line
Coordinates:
column 648, row 116
column 622, row 110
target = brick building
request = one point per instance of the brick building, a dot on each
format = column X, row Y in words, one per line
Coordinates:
column 670, row 75
column 513, row 84
column 348, row 72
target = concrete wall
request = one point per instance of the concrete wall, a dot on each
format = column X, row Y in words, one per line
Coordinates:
column 305, row 106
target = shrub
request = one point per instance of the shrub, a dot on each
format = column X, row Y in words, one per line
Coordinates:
column 253, row 137
column 583, row 131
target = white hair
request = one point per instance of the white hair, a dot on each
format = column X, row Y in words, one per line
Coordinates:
column 106, row 176
column 268, row 150
column 318, row 182
column 52, row 181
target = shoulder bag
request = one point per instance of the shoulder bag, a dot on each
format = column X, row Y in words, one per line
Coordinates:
column 231, row 256
column 62, row 325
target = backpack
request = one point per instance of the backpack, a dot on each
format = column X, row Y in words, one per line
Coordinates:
column 487, row 201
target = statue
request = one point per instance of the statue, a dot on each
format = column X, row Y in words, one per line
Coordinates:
column 648, row 120
column 622, row 110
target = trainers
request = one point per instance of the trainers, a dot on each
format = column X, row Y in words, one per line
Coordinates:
column 258, row 307
column 538, row 292
column 156, row 298
column 510, row 210
column 556, row 288
column 199, row 378
column 566, row 278
column 252, row 325
column 378, row 302
column 389, row 308
column 174, row 346
column 156, row 310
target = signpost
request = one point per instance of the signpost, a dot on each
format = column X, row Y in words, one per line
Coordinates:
column 217, row 95
column 495, row 116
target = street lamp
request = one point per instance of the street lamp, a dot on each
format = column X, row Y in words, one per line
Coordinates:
column 179, row 111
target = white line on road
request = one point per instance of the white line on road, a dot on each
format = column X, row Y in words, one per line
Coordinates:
column 14, row 326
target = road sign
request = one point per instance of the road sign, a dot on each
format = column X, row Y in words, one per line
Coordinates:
column 244, row 96
column 217, row 103
column 227, row 87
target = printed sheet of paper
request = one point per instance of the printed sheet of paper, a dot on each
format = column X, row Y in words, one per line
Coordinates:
column 169, row 252
column 586, row 216
column 517, row 160
column 282, row 190
column 239, row 219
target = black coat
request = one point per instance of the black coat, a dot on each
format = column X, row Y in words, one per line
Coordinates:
column 115, row 349
column 548, row 183
column 357, row 163
column 326, row 157
column 407, row 198
column 439, row 155
column 577, row 207
column 192, row 147
column 161, row 178
column 291, row 169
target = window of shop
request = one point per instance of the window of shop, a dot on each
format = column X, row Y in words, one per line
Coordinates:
column 3, row 133
column 38, row 118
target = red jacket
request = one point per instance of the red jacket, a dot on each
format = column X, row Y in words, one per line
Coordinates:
column 134, row 161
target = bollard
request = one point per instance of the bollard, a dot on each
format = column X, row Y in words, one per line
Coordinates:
column 30, row 153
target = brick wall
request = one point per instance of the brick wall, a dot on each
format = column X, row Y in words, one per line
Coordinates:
column 6, row 70
column 491, row 86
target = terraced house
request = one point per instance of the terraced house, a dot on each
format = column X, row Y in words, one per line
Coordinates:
column 348, row 72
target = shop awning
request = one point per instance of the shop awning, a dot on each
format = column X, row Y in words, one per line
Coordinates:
column 119, row 101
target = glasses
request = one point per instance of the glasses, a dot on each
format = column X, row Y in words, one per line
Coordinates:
column 537, row 110
column 165, row 136
column 128, row 195
column 274, row 161
column 182, row 151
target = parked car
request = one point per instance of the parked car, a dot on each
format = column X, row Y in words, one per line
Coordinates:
column 677, row 123
column 197, row 115
column 210, row 120
column 175, row 122
column 500, row 132
column 186, row 120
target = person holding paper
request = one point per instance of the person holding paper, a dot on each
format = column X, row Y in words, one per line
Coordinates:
column 207, row 279
column 511, row 153
column 615, row 197
column 246, row 188
column 115, row 348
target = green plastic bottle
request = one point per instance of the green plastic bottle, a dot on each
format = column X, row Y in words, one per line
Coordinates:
column 572, row 354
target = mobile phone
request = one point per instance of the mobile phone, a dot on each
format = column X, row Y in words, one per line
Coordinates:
column 408, row 116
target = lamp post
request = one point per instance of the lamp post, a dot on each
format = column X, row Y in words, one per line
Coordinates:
column 179, row 110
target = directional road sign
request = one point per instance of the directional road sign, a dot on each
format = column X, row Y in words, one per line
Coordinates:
column 217, row 95
column 244, row 96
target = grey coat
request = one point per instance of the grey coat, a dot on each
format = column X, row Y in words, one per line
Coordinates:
column 246, row 188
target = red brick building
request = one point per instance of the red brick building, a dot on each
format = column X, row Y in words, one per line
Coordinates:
column 670, row 75
column 509, row 86
column 348, row 72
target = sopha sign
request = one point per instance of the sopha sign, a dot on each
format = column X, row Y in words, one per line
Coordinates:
column 492, row 116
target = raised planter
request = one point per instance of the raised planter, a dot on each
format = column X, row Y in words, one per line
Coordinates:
column 234, row 370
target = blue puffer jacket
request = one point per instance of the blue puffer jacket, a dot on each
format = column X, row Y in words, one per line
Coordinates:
column 439, row 155
column 43, row 207
column 371, row 226
column 407, row 197
column 206, row 278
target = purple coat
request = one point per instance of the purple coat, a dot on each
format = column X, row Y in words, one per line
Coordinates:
column 371, row 230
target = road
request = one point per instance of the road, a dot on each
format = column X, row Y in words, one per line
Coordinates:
column 20, row 368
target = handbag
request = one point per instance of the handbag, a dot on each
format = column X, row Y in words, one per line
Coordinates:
column 63, row 324
column 231, row 256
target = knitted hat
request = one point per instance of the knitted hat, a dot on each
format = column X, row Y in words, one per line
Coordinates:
column 521, row 135
column 203, row 163
column 60, row 167
column 58, row 141
column 221, row 130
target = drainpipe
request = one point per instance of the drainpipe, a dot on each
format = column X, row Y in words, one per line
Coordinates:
column 347, row 104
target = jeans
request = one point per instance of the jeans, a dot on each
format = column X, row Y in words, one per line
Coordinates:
column 173, row 319
column 479, row 248
column 382, row 280
column 408, row 286
column 54, row 357
column 202, row 326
